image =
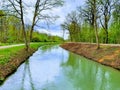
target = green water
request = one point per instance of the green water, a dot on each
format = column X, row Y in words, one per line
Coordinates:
column 53, row 68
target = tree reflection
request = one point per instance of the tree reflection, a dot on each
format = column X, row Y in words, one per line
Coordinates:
column 46, row 48
column 26, row 72
column 87, row 75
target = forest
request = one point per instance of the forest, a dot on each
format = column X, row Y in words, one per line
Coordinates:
column 97, row 21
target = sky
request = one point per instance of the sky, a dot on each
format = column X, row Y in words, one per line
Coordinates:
column 53, row 29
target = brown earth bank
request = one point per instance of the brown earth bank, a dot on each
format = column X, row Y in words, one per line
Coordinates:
column 14, row 63
column 107, row 54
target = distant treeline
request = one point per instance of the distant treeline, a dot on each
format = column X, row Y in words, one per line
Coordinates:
column 11, row 31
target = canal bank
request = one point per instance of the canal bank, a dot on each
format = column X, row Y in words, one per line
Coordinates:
column 13, row 57
column 107, row 54
column 53, row 68
column 14, row 63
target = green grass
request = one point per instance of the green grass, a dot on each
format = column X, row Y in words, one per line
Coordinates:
column 4, row 44
column 6, row 54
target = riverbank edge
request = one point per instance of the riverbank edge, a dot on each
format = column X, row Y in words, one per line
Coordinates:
column 106, row 55
column 9, row 68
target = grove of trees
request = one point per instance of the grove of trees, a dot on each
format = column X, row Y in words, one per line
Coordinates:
column 98, row 21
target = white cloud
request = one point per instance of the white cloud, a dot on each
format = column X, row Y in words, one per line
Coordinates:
column 69, row 6
column 55, row 33
column 43, row 31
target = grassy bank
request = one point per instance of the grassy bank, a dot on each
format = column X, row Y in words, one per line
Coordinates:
column 11, row 58
column 108, row 54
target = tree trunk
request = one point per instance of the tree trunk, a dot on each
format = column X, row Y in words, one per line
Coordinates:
column 34, row 17
column 23, row 26
column 107, row 39
column 95, row 25
column 31, row 31
column 106, row 28
column 97, row 37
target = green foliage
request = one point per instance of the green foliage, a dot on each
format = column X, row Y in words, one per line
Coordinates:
column 11, row 32
column 102, row 35
column 2, row 13
column 87, row 34
column 74, row 30
column 114, row 33
column 40, row 37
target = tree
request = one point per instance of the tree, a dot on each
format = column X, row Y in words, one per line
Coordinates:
column 95, row 22
column 17, row 6
column 72, row 25
column 90, row 14
column 106, row 9
column 3, row 26
column 116, row 12
column 1, row 22
column 40, row 7
column 114, row 29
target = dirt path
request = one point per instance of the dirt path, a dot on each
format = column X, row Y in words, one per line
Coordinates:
column 95, row 44
column 110, row 44
column 9, row 46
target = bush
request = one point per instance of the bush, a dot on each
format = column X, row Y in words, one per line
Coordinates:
column 35, row 39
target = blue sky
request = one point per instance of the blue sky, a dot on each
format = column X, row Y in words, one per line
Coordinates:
column 55, row 28
column 69, row 6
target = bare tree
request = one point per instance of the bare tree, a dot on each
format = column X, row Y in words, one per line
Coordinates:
column 40, row 7
column 72, row 24
column 90, row 14
column 106, row 9
column 17, row 8
column 116, row 12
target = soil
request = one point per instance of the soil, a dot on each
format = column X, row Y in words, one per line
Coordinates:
column 14, row 63
column 107, row 54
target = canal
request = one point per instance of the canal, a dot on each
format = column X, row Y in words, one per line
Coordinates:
column 53, row 68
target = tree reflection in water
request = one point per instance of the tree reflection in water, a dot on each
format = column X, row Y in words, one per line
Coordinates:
column 27, row 69
column 88, row 75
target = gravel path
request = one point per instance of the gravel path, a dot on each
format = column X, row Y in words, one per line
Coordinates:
column 95, row 43
column 111, row 44
column 9, row 46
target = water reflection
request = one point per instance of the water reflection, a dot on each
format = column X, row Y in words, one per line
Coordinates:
column 88, row 75
column 52, row 68
column 27, row 70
